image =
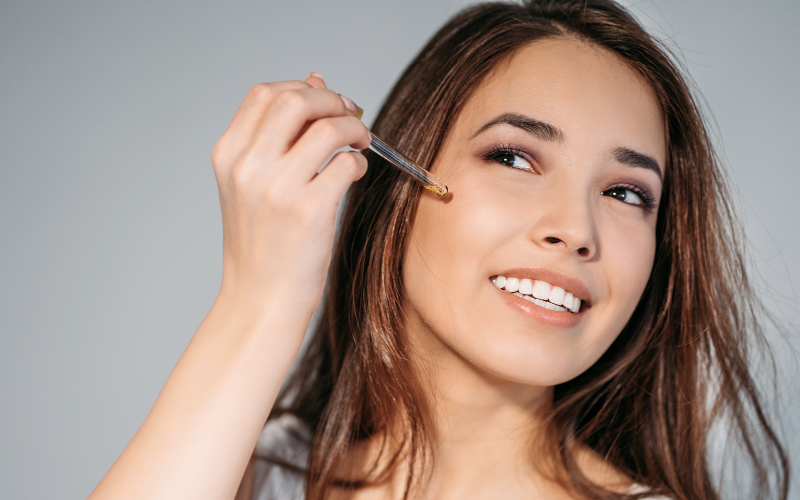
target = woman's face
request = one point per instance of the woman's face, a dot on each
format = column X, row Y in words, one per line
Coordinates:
column 555, row 169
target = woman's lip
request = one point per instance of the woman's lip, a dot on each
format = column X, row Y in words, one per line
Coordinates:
column 568, row 283
column 562, row 319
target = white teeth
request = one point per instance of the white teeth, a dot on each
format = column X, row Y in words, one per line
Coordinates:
column 545, row 304
column 540, row 293
column 557, row 295
column 541, row 290
column 568, row 298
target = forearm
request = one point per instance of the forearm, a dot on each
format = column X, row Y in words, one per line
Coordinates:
column 197, row 439
column 279, row 215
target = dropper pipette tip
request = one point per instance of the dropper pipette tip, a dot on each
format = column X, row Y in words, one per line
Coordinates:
column 406, row 165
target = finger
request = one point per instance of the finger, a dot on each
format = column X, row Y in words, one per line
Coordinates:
column 247, row 118
column 289, row 112
column 343, row 169
column 323, row 137
column 315, row 80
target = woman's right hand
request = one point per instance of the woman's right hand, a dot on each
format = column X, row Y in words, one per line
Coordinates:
column 278, row 220
column 278, row 214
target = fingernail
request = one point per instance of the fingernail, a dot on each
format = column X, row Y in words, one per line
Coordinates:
column 349, row 104
column 314, row 73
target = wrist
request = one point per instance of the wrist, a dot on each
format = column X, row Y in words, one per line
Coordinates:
column 266, row 316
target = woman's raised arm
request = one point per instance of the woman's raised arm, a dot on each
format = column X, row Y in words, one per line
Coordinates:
column 278, row 225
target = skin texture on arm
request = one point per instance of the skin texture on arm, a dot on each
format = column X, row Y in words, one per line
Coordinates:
column 278, row 224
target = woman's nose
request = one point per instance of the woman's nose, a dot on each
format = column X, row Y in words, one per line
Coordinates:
column 566, row 227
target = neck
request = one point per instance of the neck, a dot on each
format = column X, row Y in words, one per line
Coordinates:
column 483, row 425
column 470, row 404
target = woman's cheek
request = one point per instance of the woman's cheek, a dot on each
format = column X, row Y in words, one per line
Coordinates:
column 630, row 260
column 482, row 213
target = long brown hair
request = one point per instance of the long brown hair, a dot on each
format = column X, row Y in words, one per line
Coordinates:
column 681, row 364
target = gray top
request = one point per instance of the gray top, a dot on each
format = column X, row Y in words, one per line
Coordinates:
column 287, row 438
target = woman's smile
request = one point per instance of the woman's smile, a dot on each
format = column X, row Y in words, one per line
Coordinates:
column 545, row 285
column 541, row 293
column 544, row 295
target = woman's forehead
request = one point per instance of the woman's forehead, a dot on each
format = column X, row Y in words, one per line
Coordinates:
column 587, row 92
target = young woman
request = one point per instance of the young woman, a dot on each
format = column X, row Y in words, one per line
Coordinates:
column 572, row 321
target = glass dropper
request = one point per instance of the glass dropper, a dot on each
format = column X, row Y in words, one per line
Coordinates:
column 402, row 162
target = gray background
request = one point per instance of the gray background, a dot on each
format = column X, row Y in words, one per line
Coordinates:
column 110, row 233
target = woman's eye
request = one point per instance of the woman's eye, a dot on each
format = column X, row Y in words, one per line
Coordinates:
column 626, row 195
column 513, row 161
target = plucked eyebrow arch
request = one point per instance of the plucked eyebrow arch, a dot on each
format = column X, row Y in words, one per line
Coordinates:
column 539, row 129
column 634, row 159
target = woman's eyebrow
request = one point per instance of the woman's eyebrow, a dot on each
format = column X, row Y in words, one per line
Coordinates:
column 536, row 128
column 550, row 133
column 632, row 158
